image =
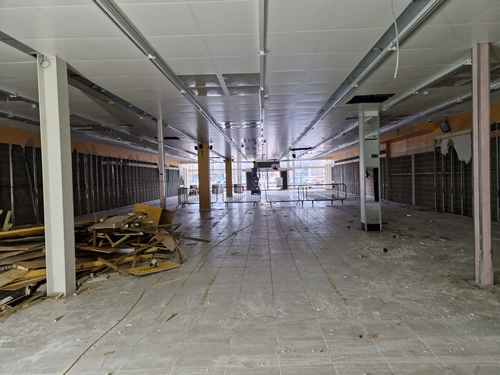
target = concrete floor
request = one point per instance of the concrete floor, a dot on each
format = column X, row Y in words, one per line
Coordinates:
column 301, row 291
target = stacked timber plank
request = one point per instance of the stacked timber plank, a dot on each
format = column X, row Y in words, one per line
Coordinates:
column 140, row 243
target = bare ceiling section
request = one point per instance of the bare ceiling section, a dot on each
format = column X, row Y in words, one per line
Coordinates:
column 212, row 46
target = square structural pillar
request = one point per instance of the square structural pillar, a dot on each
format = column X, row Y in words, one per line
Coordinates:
column 204, row 177
column 161, row 163
column 57, row 174
column 481, row 162
column 229, row 177
column 369, row 167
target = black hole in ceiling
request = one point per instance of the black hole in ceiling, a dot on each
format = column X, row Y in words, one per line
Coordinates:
column 300, row 148
column 172, row 138
column 377, row 98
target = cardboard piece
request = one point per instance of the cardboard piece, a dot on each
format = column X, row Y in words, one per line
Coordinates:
column 156, row 215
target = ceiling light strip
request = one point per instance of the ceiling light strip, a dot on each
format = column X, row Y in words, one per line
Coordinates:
column 408, row 21
column 442, row 75
column 135, row 36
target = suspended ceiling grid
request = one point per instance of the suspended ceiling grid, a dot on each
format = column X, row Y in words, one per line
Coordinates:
column 312, row 47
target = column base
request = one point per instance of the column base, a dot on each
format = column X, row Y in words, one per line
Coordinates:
column 370, row 227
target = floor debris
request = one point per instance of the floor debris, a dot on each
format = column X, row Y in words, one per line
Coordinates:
column 145, row 235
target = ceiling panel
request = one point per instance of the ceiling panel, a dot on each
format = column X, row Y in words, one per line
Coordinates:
column 312, row 47
column 226, row 17
column 367, row 14
column 162, row 19
column 299, row 15
column 180, row 46
column 232, row 45
column 296, row 43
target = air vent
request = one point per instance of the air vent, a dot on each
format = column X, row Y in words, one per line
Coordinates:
column 300, row 148
column 171, row 138
column 377, row 98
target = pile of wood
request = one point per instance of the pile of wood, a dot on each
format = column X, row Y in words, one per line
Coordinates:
column 145, row 240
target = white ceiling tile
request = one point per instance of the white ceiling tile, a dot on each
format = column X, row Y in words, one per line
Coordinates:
column 10, row 54
column 288, row 63
column 362, row 14
column 465, row 11
column 162, row 19
column 180, row 46
column 281, row 78
column 192, row 66
column 235, row 65
column 299, row 15
column 295, row 43
column 432, row 36
column 24, row 71
column 283, row 89
column 342, row 60
column 327, row 76
column 227, row 17
column 232, row 45
column 75, row 21
column 350, row 40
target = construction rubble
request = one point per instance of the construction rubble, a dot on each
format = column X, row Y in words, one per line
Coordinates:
column 141, row 243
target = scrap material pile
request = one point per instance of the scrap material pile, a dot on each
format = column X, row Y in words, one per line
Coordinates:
column 144, row 240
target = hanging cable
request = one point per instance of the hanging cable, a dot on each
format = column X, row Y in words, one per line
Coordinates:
column 397, row 40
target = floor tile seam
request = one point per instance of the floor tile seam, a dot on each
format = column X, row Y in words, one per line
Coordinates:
column 241, row 288
column 196, row 320
column 312, row 308
column 329, row 278
column 380, row 352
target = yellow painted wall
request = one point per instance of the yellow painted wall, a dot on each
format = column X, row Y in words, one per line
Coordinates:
column 420, row 138
column 27, row 138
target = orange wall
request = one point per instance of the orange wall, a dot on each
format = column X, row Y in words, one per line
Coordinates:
column 27, row 138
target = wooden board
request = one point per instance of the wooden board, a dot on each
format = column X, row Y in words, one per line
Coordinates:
column 35, row 231
column 101, row 249
column 25, row 247
column 21, row 256
column 95, row 263
column 10, row 241
column 147, row 270
column 113, row 222
column 22, row 284
column 167, row 241
column 30, row 265
column 10, row 276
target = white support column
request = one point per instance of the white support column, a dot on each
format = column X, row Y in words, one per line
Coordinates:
column 57, row 174
column 161, row 163
column 369, row 170
column 481, row 162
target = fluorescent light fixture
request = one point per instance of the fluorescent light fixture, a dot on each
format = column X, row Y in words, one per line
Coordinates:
column 114, row 13
column 408, row 21
column 442, row 75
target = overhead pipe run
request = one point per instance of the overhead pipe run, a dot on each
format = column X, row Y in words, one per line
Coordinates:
column 407, row 22
column 111, row 10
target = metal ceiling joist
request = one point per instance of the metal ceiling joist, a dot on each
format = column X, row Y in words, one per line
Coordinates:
column 407, row 22
column 495, row 86
column 442, row 75
column 115, row 14
column 87, row 86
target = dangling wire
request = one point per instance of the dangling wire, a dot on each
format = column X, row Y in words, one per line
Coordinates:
column 397, row 40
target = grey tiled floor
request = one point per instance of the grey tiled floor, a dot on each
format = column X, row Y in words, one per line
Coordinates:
column 296, row 293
